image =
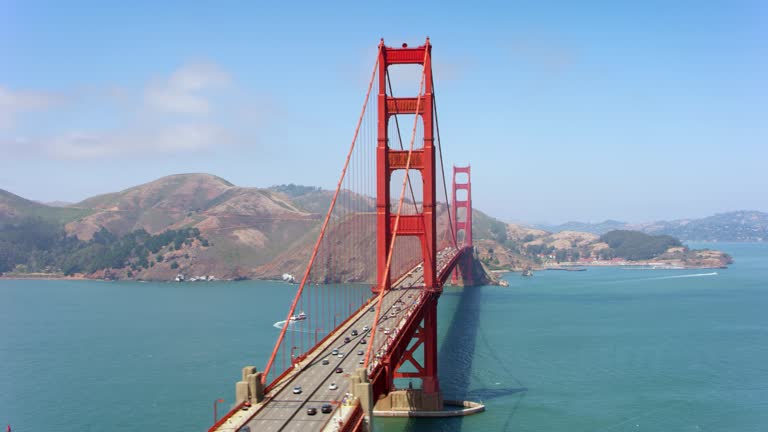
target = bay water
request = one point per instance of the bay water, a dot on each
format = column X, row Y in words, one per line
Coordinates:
column 609, row 349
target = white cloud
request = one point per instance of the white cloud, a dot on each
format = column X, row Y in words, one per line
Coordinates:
column 13, row 103
column 184, row 91
column 170, row 115
column 169, row 139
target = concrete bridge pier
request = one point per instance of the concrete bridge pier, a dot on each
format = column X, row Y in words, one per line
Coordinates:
column 363, row 391
column 249, row 388
column 410, row 400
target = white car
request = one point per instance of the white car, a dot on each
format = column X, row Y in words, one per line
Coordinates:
column 362, row 361
column 297, row 390
column 333, row 386
column 386, row 330
column 340, row 354
column 366, row 328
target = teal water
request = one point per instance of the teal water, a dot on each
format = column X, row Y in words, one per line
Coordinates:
column 603, row 350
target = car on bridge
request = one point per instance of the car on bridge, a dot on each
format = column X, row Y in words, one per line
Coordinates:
column 311, row 411
column 326, row 408
column 333, row 386
column 335, row 351
column 297, row 390
column 326, row 361
column 347, row 339
column 360, row 352
column 339, row 370
column 354, row 332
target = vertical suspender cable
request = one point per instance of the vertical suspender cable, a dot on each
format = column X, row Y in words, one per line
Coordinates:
column 322, row 230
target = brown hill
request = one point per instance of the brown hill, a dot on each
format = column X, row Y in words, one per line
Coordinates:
column 246, row 227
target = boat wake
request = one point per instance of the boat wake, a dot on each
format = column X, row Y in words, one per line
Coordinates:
column 294, row 326
column 624, row 281
column 685, row 276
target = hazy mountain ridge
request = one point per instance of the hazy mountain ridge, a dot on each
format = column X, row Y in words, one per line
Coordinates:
column 13, row 206
column 598, row 228
column 735, row 226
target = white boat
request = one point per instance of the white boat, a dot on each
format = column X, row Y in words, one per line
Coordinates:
column 301, row 316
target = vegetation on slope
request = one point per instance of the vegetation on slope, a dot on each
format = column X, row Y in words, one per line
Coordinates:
column 34, row 245
column 634, row 245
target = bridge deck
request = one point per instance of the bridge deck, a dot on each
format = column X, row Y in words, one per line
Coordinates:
column 283, row 410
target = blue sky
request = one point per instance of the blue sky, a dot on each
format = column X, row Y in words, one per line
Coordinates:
column 566, row 110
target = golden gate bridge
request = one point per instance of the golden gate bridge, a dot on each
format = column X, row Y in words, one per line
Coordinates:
column 353, row 336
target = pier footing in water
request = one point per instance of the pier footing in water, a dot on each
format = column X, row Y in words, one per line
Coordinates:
column 466, row 408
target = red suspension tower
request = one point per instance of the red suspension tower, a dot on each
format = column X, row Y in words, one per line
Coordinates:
column 462, row 228
column 421, row 225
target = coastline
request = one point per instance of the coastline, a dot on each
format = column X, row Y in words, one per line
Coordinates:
column 564, row 266
column 43, row 276
column 639, row 265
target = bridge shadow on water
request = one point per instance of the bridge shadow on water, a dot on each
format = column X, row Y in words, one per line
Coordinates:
column 456, row 358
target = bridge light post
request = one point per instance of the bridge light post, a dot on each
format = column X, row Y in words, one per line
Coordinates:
column 334, row 319
column 216, row 402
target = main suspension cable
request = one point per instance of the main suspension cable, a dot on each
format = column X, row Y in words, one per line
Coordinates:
column 442, row 166
column 325, row 224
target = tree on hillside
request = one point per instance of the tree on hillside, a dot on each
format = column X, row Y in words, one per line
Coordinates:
column 498, row 231
column 635, row 245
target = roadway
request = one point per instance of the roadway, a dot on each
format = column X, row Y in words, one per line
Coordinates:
column 287, row 411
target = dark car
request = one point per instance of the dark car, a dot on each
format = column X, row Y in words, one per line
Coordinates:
column 311, row 411
column 325, row 361
column 363, row 342
column 354, row 332
column 339, row 370
column 361, row 352
column 347, row 339
column 326, row 408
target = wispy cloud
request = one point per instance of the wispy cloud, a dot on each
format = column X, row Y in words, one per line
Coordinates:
column 15, row 103
column 169, row 139
column 171, row 114
column 184, row 91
